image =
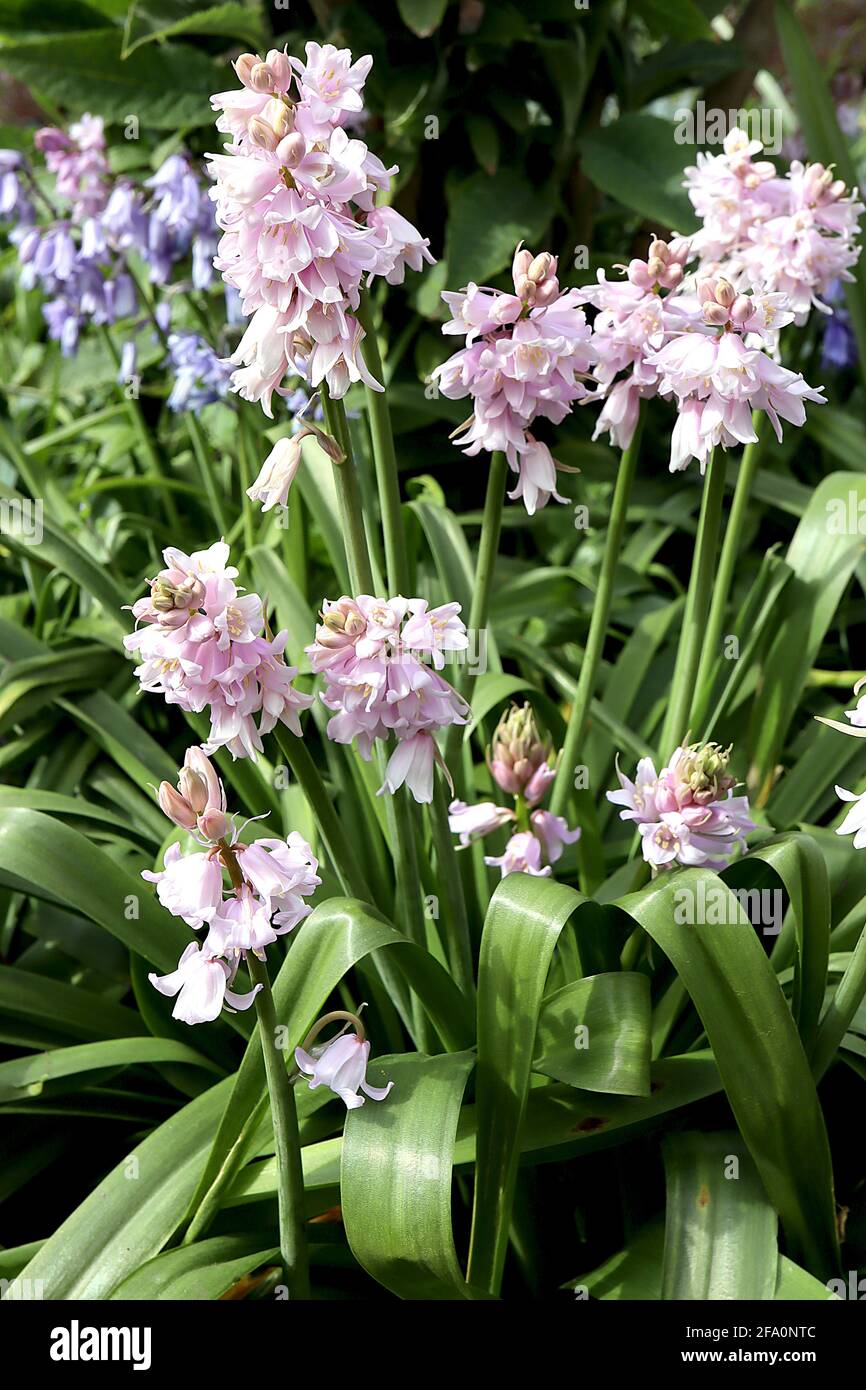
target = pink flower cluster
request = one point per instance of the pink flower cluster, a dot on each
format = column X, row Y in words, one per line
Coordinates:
column 295, row 198
column 79, row 163
column 686, row 814
column 719, row 371
column 269, row 880
column 525, row 357
column 791, row 235
column 519, row 761
column 370, row 652
column 200, row 645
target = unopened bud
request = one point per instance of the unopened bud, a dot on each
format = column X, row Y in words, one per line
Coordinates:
column 173, row 805
column 659, row 249
column 725, row 293
column 715, row 314
column 262, row 134
column 261, row 78
column 292, row 149
column 540, row 267
column 673, row 276
column 838, row 188
column 281, row 69
column 213, row 824
column 655, row 267
column 244, row 65
column 706, row 291
column 193, row 789
column 742, row 308
column 547, row 291
column 521, row 263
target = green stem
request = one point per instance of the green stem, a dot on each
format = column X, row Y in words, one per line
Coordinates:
column 725, row 571
column 349, row 498
column 580, row 706
column 340, row 850
column 204, row 458
column 841, row 1009
column 290, row 1173
column 458, row 944
column 677, row 720
column 488, row 545
column 385, row 457
column 246, row 461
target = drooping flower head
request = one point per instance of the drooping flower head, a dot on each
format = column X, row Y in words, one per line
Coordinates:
column 526, row 356
column 719, row 372
column 295, row 198
column 372, row 653
column 687, row 814
column 245, row 895
column 201, row 645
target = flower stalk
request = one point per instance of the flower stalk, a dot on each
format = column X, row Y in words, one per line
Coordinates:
column 290, row 1173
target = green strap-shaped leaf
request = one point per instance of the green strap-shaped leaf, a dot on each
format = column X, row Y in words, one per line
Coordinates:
column 596, row 1034
column 720, row 1229
column 197, row 1272
column 559, row 1123
column 43, row 856
column 822, row 555
column 523, row 924
column 759, row 1055
column 127, row 1219
column 27, row 1075
column 396, row 1177
column 71, row 1010
column 635, row 1274
column 800, row 865
column 331, row 941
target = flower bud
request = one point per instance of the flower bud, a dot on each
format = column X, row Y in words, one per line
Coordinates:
column 540, row 267
column 261, row 78
column 520, row 265
column 715, row 314
column 244, row 65
column 193, row 789
column 213, row 824
column 281, row 69
column 197, row 761
column 175, row 806
column 517, row 750
column 638, row 274
column 673, row 275
column 655, row 267
column 742, row 308
column 725, row 293
column 292, row 149
column 547, row 291
column 701, row 770
column 658, row 249
column 706, row 290
column 262, row 134
column 838, row 188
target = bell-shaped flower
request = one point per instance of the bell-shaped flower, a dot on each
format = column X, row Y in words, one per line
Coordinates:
column 201, row 983
column 341, row 1065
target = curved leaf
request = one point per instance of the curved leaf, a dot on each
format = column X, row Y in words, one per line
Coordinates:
column 395, row 1178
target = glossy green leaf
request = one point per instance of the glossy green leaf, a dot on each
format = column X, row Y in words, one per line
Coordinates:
column 595, row 1034
column 720, row 1229
column 759, row 1054
column 396, row 1177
